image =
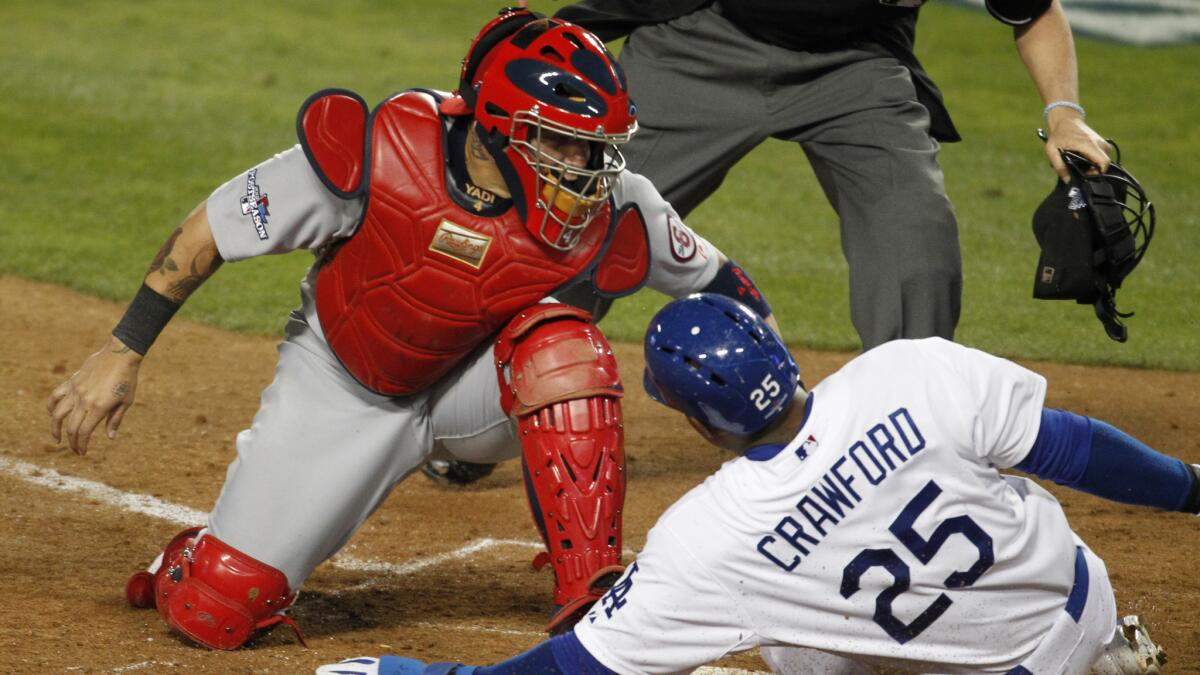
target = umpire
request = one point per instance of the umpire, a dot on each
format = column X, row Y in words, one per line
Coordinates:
column 712, row 80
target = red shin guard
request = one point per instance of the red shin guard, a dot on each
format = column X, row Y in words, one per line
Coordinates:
column 559, row 378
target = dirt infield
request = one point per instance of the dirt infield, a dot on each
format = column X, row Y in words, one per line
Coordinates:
column 436, row 573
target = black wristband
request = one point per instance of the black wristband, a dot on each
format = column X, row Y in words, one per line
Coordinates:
column 733, row 282
column 145, row 318
column 1192, row 503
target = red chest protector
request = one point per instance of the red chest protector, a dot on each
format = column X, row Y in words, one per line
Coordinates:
column 424, row 281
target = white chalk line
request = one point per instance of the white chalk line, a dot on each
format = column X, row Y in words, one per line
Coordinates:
column 126, row 501
column 413, row 566
column 183, row 515
column 143, row 665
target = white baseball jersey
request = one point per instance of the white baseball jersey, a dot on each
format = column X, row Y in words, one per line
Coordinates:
column 882, row 531
column 323, row 451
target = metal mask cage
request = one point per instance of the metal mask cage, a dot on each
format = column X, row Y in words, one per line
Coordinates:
column 569, row 204
column 1136, row 209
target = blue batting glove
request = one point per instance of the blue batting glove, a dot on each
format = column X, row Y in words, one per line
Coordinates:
column 392, row 665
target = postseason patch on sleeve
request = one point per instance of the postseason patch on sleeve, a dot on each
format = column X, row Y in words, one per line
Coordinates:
column 255, row 205
column 300, row 213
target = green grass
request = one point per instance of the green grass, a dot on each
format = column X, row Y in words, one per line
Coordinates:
column 117, row 118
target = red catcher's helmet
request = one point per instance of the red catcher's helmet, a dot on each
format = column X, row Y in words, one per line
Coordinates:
column 526, row 78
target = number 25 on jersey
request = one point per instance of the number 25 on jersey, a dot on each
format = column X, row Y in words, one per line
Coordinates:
column 924, row 550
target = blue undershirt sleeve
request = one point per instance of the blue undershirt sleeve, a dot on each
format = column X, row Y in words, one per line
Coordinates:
column 1062, row 448
column 563, row 655
column 1097, row 458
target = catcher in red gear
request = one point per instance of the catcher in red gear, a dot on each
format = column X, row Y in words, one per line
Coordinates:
column 446, row 228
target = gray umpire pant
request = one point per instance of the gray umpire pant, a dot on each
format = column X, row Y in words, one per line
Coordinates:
column 707, row 94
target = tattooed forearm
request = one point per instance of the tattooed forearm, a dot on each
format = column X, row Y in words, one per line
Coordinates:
column 181, row 289
column 163, row 260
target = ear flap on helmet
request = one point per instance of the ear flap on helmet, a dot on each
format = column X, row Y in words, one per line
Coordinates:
column 511, row 20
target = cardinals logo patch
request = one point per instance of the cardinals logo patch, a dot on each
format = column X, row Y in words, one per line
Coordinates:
column 683, row 242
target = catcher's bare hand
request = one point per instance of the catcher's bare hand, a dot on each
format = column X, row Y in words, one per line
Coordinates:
column 1068, row 131
column 102, row 389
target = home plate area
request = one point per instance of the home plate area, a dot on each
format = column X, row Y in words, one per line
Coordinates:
column 477, row 601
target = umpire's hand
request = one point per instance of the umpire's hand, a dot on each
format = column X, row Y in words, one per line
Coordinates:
column 1067, row 131
column 102, row 389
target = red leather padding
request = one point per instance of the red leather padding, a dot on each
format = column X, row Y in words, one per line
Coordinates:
column 424, row 282
column 626, row 262
column 574, row 454
column 550, row 353
column 559, row 377
column 219, row 596
column 140, row 588
column 332, row 126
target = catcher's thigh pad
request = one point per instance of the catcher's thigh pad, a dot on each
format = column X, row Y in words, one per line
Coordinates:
column 559, row 378
column 219, row 596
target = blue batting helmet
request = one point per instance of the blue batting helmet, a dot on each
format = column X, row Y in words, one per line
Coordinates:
column 714, row 359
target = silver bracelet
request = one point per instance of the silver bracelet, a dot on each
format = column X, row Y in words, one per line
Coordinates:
column 1063, row 104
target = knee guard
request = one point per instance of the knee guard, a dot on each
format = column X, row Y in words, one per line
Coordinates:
column 559, row 379
column 139, row 590
column 216, row 595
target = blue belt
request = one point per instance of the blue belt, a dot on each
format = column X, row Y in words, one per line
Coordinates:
column 1079, row 592
column 1076, row 599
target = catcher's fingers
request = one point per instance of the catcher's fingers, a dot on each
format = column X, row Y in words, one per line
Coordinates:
column 114, row 421
column 80, row 416
column 70, row 427
column 57, row 395
column 83, row 433
column 63, row 407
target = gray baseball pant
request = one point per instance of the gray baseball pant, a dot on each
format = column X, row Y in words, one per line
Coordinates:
column 707, row 94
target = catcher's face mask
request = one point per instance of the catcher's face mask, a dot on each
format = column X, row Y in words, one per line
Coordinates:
column 1092, row 231
column 533, row 83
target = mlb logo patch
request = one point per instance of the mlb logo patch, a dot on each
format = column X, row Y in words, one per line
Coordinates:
column 808, row 447
column 1076, row 199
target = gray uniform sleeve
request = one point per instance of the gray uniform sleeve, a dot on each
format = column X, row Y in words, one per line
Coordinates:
column 681, row 261
column 279, row 206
